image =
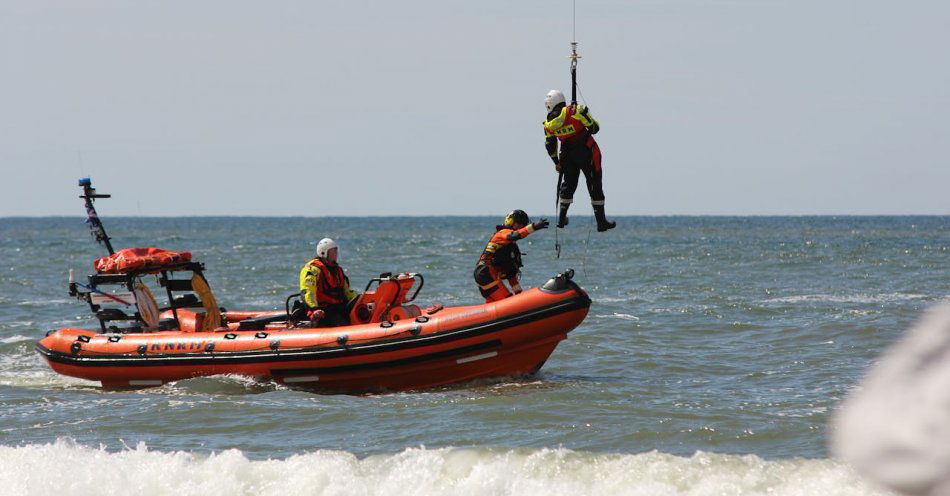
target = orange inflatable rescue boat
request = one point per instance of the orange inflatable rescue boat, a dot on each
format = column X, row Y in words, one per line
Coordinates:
column 392, row 343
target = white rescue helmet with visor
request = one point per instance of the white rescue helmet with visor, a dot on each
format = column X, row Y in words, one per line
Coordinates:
column 324, row 247
column 553, row 98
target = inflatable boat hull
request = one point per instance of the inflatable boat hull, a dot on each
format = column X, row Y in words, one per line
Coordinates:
column 511, row 337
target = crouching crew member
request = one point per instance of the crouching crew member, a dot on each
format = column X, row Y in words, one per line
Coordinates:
column 502, row 258
column 574, row 127
column 325, row 288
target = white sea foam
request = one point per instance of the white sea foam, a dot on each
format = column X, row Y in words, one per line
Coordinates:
column 42, row 302
column 28, row 370
column 625, row 316
column 856, row 298
column 65, row 469
column 219, row 384
column 40, row 379
column 17, row 339
column 610, row 299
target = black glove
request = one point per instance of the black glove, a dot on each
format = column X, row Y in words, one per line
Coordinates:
column 541, row 224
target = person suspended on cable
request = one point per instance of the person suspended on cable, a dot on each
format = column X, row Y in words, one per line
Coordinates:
column 501, row 259
column 324, row 287
column 573, row 127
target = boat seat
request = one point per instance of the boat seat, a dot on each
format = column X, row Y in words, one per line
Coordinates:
column 388, row 300
column 113, row 314
column 404, row 312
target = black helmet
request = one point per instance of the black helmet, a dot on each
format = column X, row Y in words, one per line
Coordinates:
column 517, row 217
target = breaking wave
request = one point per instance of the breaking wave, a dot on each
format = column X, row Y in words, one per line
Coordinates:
column 65, row 468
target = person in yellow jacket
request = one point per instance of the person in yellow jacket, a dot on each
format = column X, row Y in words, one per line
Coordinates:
column 324, row 287
column 573, row 127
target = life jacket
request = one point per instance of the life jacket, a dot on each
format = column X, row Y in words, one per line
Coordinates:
column 569, row 129
column 330, row 284
column 505, row 259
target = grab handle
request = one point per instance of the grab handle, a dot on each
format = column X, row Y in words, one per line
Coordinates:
column 422, row 282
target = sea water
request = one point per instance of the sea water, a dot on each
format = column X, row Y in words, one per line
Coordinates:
column 715, row 351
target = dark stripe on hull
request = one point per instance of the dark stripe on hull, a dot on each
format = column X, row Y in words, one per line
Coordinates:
column 241, row 357
column 392, row 363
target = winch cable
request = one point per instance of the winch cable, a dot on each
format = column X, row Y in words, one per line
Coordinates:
column 575, row 89
column 590, row 225
column 590, row 229
column 557, row 206
column 573, row 56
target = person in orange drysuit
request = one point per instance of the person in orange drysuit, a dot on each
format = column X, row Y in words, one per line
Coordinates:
column 501, row 259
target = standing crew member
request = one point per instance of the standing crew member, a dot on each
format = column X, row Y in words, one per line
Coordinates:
column 574, row 127
column 502, row 258
column 325, row 288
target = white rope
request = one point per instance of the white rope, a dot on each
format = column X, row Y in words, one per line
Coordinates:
column 590, row 229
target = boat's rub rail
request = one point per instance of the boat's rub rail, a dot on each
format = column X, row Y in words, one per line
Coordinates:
column 197, row 352
column 494, row 345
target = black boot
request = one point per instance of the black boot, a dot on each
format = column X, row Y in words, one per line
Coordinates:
column 562, row 213
column 602, row 223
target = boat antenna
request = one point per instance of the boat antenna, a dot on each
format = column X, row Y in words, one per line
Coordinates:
column 96, row 228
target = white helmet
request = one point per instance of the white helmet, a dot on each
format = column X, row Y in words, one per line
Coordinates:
column 324, row 247
column 553, row 98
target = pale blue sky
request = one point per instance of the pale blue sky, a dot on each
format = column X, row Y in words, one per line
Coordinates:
column 434, row 107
